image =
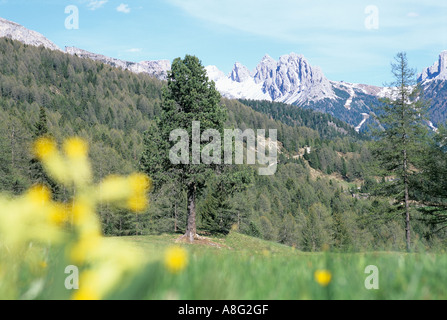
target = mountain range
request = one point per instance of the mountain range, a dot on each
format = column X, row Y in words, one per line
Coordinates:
column 291, row 79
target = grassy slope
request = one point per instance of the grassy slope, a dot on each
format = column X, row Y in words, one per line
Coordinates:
column 249, row 268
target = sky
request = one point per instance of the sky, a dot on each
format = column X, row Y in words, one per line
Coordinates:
column 353, row 40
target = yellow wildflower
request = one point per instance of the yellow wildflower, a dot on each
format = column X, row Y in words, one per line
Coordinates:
column 76, row 151
column 35, row 217
column 113, row 188
column 323, row 277
column 83, row 249
column 139, row 183
column 139, row 186
column 75, row 148
column 85, row 295
column 39, row 195
column 82, row 210
column 44, row 148
column 137, row 203
column 58, row 214
column 176, row 259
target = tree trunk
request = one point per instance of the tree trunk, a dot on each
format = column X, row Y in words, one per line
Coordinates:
column 175, row 217
column 407, row 204
column 238, row 221
column 13, row 147
column 191, row 232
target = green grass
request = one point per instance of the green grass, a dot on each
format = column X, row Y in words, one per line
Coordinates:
column 248, row 268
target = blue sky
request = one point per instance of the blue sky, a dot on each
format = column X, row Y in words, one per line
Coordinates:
column 330, row 34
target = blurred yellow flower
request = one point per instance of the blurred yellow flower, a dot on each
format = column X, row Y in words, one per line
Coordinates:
column 75, row 148
column 139, row 183
column 113, row 188
column 39, row 195
column 58, row 214
column 84, row 248
column 176, row 259
column 36, row 217
column 323, row 277
column 44, row 148
column 82, row 210
column 137, row 203
column 85, row 295
column 266, row 253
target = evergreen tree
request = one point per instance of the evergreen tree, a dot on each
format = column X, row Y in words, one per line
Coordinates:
column 399, row 150
column 189, row 97
column 218, row 211
column 37, row 173
column 318, row 231
column 434, row 181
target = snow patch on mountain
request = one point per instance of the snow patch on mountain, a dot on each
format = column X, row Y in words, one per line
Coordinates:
column 432, row 126
column 365, row 117
column 231, row 89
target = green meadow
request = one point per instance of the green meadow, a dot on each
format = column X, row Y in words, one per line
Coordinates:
column 242, row 267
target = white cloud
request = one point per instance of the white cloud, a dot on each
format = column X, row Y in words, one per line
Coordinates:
column 124, row 8
column 325, row 23
column 293, row 20
column 96, row 4
column 134, row 50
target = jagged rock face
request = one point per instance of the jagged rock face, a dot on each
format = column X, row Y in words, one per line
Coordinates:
column 12, row 30
column 294, row 80
column 158, row 69
column 264, row 69
column 240, row 73
column 291, row 80
column 436, row 72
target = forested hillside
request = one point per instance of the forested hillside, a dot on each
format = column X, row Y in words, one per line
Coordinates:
column 328, row 126
column 315, row 199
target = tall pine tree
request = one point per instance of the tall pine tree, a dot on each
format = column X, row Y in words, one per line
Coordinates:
column 188, row 97
column 401, row 142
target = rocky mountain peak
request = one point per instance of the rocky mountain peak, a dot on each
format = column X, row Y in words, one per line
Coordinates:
column 293, row 80
column 158, row 68
column 438, row 71
column 263, row 69
column 15, row 31
column 240, row 73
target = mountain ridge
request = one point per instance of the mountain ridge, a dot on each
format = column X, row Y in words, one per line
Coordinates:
column 15, row 31
column 157, row 68
column 291, row 79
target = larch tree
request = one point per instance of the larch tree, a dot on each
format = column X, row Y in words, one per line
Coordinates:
column 401, row 142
